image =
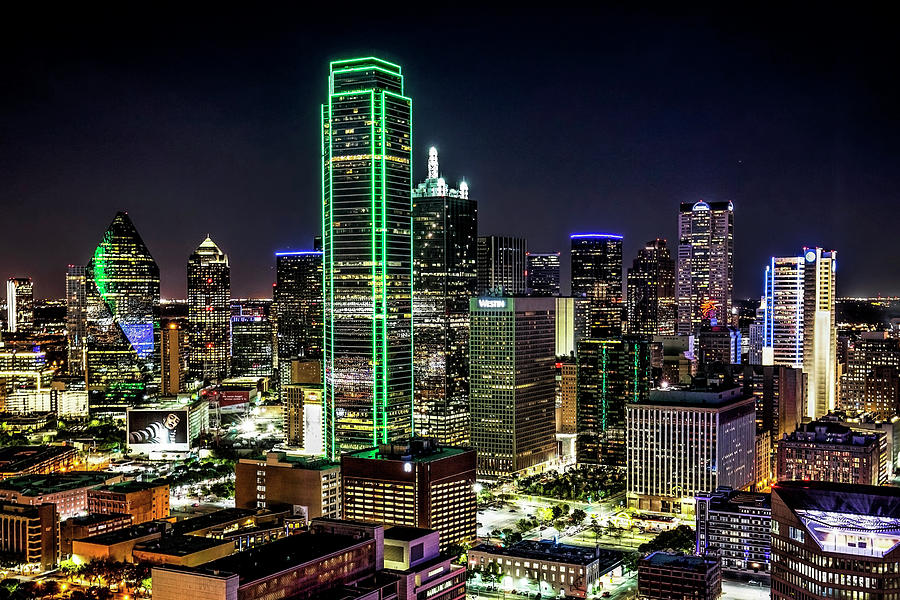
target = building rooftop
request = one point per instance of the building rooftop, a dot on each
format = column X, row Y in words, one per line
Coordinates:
column 53, row 483
column 213, row 519
column 829, row 432
column 869, row 500
column 730, row 500
column 547, row 550
column 127, row 487
column 679, row 561
column 128, row 533
column 696, row 398
column 20, row 458
column 94, row 518
column 180, row 545
column 415, row 450
column 282, row 459
column 292, row 551
column 406, row 534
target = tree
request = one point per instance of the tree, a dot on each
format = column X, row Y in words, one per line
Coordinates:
column 682, row 538
column 596, row 528
column 50, row 588
column 578, row 516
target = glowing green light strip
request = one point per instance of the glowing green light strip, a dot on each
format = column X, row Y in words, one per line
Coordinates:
column 384, row 356
column 373, row 260
column 363, row 59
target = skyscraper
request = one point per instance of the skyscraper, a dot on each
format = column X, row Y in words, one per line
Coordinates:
column 19, row 304
column 76, row 317
column 501, row 265
column 611, row 374
column 783, row 324
column 705, row 280
column 445, row 229
column 597, row 276
column 122, row 330
column 542, row 273
column 651, row 291
column 367, row 244
column 209, row 293
column 298, row 308
column 512, row 383
column 819, row 332
column 173, row 356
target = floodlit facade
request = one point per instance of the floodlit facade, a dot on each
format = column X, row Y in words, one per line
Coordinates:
column 783, row 320
column 597, row 276
column 705, row 276
column 871, row 383
column 19, row 304
column 512, row 383
column 445, row 232
column 651, row 291
column 684, row 442
column 819, row 330
column 209, row 294
column 367, row 255
column 736, row 526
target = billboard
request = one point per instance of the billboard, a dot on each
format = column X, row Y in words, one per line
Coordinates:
column 153, row 430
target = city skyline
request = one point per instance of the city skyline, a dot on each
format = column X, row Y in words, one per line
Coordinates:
column 234, row 150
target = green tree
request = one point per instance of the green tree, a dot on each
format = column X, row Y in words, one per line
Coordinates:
column 680, row 539
column 578, row 516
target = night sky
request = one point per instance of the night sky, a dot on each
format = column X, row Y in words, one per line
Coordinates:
column 208, row 122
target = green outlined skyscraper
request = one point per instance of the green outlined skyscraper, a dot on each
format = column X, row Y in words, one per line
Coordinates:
column 367, row 255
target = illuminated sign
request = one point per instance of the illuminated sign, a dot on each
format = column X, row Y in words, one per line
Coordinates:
column 491, row 303
column 811, row 256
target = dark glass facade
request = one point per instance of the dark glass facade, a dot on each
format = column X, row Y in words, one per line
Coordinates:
column 122, row 319
column 501, row 265
column 298, row 308
column 611, row 373
column 542, row 273
column 651, row 291
column 367, row 245
column 597, row 276
column 445, row 226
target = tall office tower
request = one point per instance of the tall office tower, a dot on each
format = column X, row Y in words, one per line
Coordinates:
column 870, row 383
column 298, row 309
column 512, row 383
column 832, row 540
column 76, row 315
column 611, row 374
column 367, row 245
column 819, row 331
column 445, row 277
column 122, row 331
column 719, row 344
column 173, row 356
column 682, row 443
column 19, row 304
column 209, row 313
column 567, row 326
column 597, row 276
column 651, row 291
column 501, row 265
column 783, row 322
column 566, row 395
column 542, row 273
column 705, row 281
column 251, row 341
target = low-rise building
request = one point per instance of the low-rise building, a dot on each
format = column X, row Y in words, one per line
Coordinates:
column 414, row 484
column 413, row 555
column 666, row 576
column 825, row 451
column 334, row 557
column 78, row 528
column 182, row 550
column 736, row 526
column 547, row 568
column 30, row 533
column 282, row 480
column 144, row 501
column 118, row 545
column 68, row 491
column 36, row 460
